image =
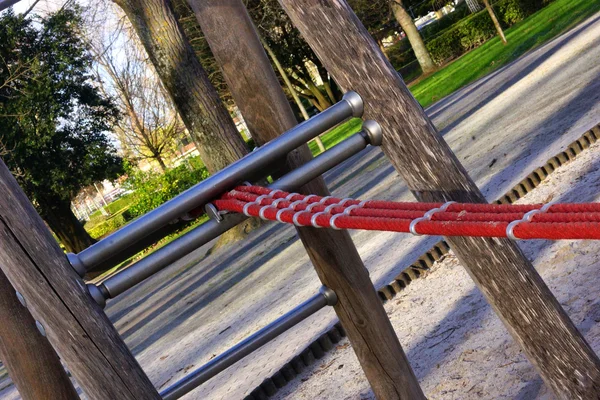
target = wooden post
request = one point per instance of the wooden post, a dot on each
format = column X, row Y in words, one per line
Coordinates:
column 432, row 172
column 268, row 114
column 31, row 362
column 58, row 300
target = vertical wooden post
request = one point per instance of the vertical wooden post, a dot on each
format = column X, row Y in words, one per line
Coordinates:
column 31, row 362
column 267, row 112
column 58, row 300
column 508, row 280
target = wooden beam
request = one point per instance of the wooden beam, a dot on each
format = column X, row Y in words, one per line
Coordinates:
column 267, row 112
column 31, row 362
column 57, row 298
column 432, row 172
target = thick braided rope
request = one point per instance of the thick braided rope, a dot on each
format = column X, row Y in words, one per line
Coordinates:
column 536, row 221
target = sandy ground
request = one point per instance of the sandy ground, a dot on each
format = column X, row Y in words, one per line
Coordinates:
column 457, row 346
column 501, row 127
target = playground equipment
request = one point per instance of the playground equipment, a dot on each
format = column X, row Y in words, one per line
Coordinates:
column 523, row 221
column 97, row 357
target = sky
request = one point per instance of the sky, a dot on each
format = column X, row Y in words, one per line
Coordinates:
column 42, row 8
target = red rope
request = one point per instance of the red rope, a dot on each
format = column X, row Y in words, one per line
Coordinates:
column 556, row 221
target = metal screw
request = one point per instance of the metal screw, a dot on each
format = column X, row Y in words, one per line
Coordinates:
column 21, row 299
column 40, row 328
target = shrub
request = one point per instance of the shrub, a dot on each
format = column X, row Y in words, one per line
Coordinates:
column 152, row 189
column 476, row 29
column 430, row 31
column 119, row 204
column 108, row 226
column 462, row 37
column 400, row 59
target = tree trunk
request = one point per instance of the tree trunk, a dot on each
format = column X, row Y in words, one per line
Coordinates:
column 256, row 90
column 65, row 225
column 323, row 102
column 474, row 6
column 186, row 82
column 495, row 21
column 328, row 91
column 414, row 37
column 161, row 162
column 30, row 360
column 382, row 48
column 432, row 172
column 291, row 89
column 101, row 195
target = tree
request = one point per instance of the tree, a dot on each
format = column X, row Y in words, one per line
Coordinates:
column 151, row 128
column 304, row 69
column 495, row 21
column 53, row 119
column 375, row 16
column 194, row 35
column 291, row 90
column 186, row 82
column 413, row 35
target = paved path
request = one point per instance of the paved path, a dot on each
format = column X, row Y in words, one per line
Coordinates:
column 501, row 128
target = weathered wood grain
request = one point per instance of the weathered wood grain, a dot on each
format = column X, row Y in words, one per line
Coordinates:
column 267, row 112
column 508, row 280
column 31, row 362
column 75, row 325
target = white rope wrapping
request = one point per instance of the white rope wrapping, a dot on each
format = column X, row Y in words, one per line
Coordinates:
column 526, row 218
column 427, row 217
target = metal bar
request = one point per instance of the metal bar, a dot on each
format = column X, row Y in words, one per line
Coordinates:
column 350, row 106
column 250, row 344
column 211, row 229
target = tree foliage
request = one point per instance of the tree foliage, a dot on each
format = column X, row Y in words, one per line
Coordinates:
column 53, row 119
column 304, row 69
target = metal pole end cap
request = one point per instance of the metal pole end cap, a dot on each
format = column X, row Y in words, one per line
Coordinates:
column 355, row 102
column 329, row 295
column 373, row 131
column 76, row 263
column 212, row 212
column 96, row 294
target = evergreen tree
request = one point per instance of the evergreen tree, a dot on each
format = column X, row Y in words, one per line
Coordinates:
column 53, row 119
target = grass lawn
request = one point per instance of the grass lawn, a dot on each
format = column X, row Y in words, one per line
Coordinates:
column 337, row 134
column 549, row 22
column 537, row 29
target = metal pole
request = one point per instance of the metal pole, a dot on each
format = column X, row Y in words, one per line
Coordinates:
column 255, row 162
column 250, row 344
column 165, row 256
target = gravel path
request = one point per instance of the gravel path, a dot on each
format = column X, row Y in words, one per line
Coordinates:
column 500, row 127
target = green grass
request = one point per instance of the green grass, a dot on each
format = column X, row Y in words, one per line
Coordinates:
column 115, row 208
column 161, row 243
column 337, row 134
column 549, row 22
